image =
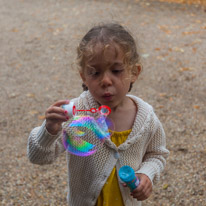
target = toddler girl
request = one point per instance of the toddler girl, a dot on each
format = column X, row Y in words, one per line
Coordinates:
column 108, row 65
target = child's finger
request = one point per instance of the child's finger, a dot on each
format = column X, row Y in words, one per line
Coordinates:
column 140, row 186
column 139, row 197
column 60, row 103
column 57, row 117
column 142, row 195
column 144, row 183
column 55, row 109
column 143, row 191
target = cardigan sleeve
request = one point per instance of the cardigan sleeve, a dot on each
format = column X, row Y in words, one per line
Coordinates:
column 44, row 148
column 156, row 153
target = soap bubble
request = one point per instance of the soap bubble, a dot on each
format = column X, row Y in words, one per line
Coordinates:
column 84, row 135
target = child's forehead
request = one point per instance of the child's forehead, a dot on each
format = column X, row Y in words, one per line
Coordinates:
column 107, row 53
column 106, row 47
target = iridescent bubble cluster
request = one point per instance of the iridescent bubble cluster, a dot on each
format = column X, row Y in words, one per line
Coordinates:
column 84, row 135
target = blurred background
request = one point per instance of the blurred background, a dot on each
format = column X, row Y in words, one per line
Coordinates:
column 38, row 41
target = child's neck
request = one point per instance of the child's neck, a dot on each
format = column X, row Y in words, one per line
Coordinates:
column 124, row 116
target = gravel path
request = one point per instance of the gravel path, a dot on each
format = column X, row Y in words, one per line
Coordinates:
column 38, row 41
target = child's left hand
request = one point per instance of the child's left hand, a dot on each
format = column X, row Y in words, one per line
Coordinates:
column 144, row 189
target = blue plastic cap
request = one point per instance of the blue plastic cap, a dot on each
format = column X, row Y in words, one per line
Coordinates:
column 126, row 174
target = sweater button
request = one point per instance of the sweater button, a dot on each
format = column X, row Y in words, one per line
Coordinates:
column 116, row 155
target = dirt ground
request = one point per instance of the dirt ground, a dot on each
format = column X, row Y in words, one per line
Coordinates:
column 38, row 41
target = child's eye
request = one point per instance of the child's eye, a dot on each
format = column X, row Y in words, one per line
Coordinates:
column 117, row 71
column 95, row 73
column 91, row 71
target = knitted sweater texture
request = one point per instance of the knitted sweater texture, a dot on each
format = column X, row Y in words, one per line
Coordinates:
column 144, row 150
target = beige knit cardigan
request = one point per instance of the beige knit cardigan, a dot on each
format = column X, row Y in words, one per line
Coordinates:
column 144, row 150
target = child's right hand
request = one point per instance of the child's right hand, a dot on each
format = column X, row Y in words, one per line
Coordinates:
column 55, row 115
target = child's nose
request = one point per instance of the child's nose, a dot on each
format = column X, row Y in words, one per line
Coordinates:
column 106, row 79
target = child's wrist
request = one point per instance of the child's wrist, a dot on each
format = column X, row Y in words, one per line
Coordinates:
column 51, row 130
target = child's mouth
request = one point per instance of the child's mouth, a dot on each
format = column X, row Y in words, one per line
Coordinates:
column 107, row 97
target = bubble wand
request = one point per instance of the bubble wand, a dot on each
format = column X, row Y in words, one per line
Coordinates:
column 71, row 109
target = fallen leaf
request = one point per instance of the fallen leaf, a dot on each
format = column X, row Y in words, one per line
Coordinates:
column 196, row 106
column 41, row 117
column 31, row 95
column 162, row 94
column 161, row 58
column 164, row 28
column 14, row 30
column 165, row 54
column 183, row 69
column 177, row 49
column 165, row 186
column 33, row 112
column 197, row 41
column 57, row 77
column 194, row 49
column 157, row 49
column 191, row 32
column 184, row 1
column 198, row 21
column 172, row 59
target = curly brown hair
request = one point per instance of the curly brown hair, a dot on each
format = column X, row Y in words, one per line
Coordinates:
column 107, row 34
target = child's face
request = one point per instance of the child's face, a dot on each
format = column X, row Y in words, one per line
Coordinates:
column 106, row 76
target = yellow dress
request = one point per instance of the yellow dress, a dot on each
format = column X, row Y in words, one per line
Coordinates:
column 110, row 194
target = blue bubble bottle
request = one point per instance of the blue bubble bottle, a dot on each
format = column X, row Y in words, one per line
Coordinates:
column 127, row 175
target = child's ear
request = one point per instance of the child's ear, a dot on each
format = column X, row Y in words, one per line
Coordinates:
column 83, row 77
column 135, row 72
